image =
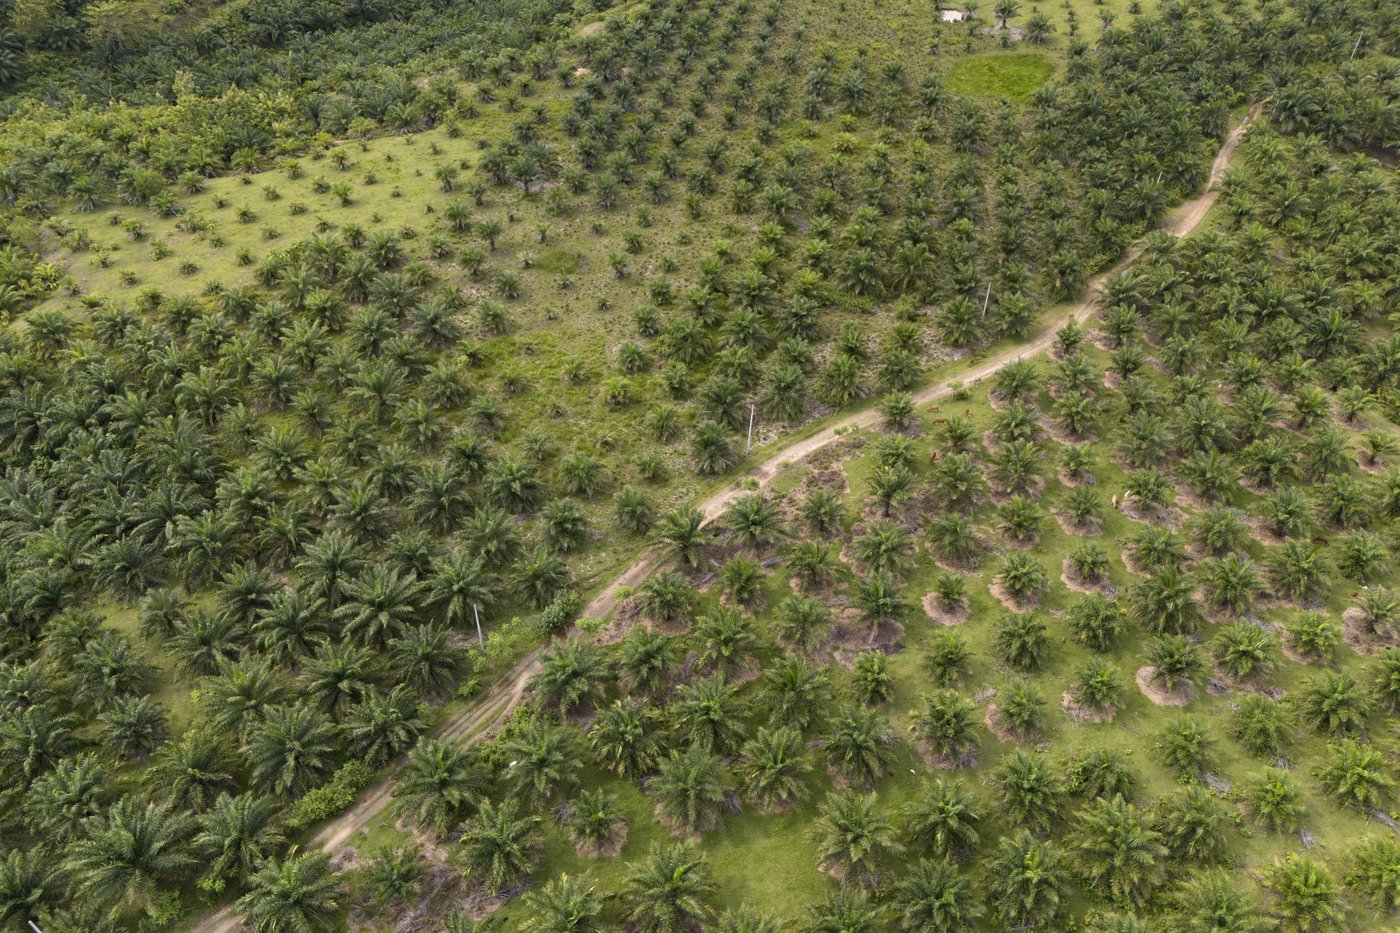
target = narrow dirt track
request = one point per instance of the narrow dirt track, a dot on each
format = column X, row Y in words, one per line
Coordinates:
column 491, row 710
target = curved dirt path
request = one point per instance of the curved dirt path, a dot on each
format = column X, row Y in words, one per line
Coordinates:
column 479, row 719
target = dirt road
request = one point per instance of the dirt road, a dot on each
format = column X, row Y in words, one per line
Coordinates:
column 492, row 709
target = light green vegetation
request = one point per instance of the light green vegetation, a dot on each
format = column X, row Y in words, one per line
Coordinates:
column 1013, row 76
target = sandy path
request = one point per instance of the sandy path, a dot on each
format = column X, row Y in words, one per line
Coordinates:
column 493, row 708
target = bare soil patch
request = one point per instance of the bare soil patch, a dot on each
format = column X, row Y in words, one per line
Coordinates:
column 944, row 616
column 1072, row 580
column 1156, row 694
column 1081, row 713
column 1009, row 601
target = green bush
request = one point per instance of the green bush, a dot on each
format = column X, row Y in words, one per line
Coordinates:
column 332, row 797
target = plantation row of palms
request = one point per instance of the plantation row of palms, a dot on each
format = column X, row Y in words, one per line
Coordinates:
column 247, row 534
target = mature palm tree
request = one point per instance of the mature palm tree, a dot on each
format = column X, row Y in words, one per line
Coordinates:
column 1028, row 880
column 462, row 584
column 943, row 819
column 1211, row 902
column 665, row 893
column 666, row 596
column 239, row 693
column 291, row 627
column 441, row 785
column 383, row 726
column 800, row 620
column 811, row 563
column 626, row 737
column 859, row 746
column 846, row 910
column 772, row 766
column 235, row 837
column 501, row 845
column 564, row 905
column 1355, row 775
column 77, row 789
column 428, row 661
column 34, row 739
column 794, row 692
column 690, row 789
column 755, row 520
column 297, row 894
column 1030, row 791
column 709, row 713
column 31, row 884
column 291, row 750
column 1335, row 703
column 852, row 839
column 571, row 676
column 125, row 858
column 338, row 677
column 546, row 760
column 645, row 659
column 936, row 898
column 379, row 605
column 944, row 719
column 1118, row 853
column 192, row 770
column 683, row 533
column 879, row 600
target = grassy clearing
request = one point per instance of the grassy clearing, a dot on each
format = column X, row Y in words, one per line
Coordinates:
column 1002, row 75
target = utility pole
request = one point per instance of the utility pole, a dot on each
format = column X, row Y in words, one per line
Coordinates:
column 986, row 300
column 476, row 614
column 1356, row 46
column 35, row 927
column 749, row 442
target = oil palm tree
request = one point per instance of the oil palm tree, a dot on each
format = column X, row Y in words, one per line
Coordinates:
column 935, row 898
column 571, row 676
column 564, row 905
column 501, row 845
column 1119, row 854
column 235, row 837
column 709, row 713
column 794, row 692
column 383, row 726
column 690, row 789
column 1306, row 898
column 440, row 786
column 126, row 858
column 291, row 895
column 943, row 820
column 666, row 892
column 944, row 719
column 772, row 767
column 682, row 532
column 546, row 760
column 626, row 737
column 852, row 838
column 291, row 750
column 859, row 746
column 1027, row 882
